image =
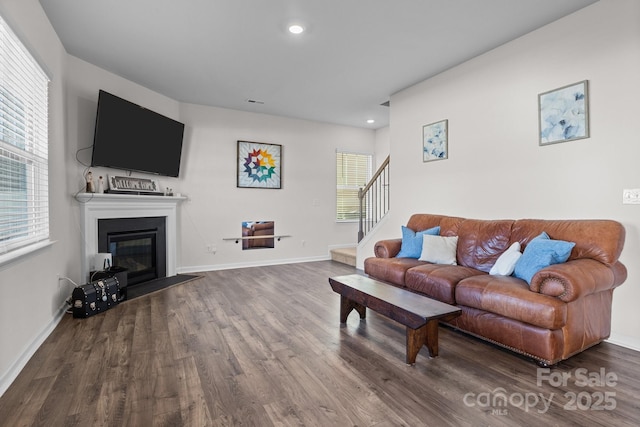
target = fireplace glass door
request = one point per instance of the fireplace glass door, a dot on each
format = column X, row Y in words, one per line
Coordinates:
column 137, row 244
column 135, row 252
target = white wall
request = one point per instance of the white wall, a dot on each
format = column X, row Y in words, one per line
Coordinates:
column 32, row 297
column 304, row 208
column 382, row 146
column 84, row 80
column 496, row 169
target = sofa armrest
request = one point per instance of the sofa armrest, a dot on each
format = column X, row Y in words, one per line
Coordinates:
column 577, row 278
column 387, row 248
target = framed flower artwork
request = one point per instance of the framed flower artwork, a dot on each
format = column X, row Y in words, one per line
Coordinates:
column 564, row 114
column 434, row 141
column 259, row 165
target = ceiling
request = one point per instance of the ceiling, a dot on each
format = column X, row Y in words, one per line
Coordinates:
column 352, row 57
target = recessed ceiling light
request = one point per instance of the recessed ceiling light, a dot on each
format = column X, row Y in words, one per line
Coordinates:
column 370, row 121
column 296, row 29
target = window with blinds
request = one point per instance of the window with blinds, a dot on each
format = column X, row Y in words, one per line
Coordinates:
column 353, row 171
column 24, row 190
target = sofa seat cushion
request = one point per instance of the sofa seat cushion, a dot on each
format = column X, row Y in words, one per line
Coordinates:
column 541, row 343
column 511, row 297
column 391, row 270
column 438, row 281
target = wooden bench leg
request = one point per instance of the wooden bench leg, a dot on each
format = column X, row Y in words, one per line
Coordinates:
column 425, row 335
column 432, row 337
column 346, row 305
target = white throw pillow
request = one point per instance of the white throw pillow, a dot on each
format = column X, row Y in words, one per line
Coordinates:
column 506, row 263
column 439, row 249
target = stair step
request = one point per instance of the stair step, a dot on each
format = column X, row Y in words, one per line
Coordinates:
column 344, row 255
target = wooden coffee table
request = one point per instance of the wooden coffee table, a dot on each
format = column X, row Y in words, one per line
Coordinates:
column 418, row 313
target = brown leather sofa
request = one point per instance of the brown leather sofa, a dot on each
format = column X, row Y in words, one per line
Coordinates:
column 566, row 308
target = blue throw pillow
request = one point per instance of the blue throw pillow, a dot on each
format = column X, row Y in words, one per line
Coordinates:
column 541, row 252
column 412, row 241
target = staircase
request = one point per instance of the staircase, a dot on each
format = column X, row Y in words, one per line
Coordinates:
column 344, row 255
column 374, row 200
column 374, row 205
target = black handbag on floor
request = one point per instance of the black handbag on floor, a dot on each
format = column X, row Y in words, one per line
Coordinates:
column 95, row 297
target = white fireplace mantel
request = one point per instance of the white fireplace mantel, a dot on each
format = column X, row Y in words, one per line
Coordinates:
column 105, row 206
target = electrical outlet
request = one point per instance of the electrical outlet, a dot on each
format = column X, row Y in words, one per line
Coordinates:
column 631, row 196
column 211, row 248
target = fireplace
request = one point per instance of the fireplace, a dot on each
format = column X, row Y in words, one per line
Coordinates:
column 97, row 207
column 137, row 244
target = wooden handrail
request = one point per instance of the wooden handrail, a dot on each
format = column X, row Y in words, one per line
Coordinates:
column 376, row 192
column 375, row 176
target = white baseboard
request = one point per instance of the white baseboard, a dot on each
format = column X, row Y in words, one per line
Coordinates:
column 632, row 343
column 14, row 370
column 215, row 267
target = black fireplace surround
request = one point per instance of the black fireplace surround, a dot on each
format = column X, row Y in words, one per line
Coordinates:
column 137, row 244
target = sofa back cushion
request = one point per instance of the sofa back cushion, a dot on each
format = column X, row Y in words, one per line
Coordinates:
column 601, row 240
column 481, row 242
column 419, row 222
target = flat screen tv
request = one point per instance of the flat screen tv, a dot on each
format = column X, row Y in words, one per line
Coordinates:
column 133, row 138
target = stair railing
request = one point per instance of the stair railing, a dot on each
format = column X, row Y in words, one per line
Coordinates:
column 374, row 200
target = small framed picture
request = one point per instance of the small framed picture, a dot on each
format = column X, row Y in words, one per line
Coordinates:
column 259, row 165
column 434, row 141
column 564, row 114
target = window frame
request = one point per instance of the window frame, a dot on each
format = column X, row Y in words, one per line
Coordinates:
column 341, row 212
column 24, row 149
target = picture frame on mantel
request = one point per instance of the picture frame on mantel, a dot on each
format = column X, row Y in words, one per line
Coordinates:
column 259, row 165
column 435, row 141
column 563, row 114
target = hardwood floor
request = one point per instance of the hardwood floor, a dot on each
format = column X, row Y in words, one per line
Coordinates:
column 263, row 346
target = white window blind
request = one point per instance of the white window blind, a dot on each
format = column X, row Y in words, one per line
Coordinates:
column 24, row 189
column 353, row 171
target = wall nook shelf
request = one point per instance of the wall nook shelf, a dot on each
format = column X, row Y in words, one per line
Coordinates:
column 273, row 236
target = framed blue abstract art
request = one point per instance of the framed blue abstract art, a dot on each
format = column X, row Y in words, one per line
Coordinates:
column 259, row 165
column 434, row 141
column 564, row 114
